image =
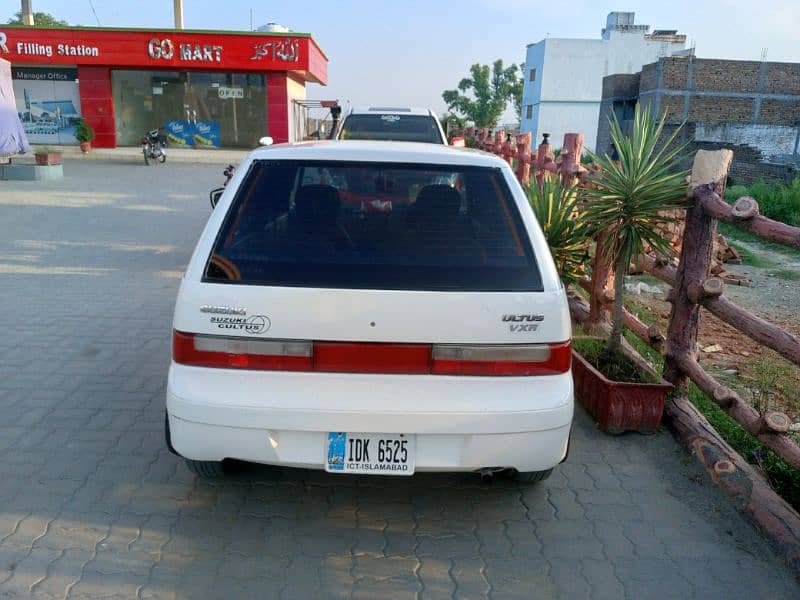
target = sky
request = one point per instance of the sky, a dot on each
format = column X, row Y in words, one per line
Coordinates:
column 407, row 52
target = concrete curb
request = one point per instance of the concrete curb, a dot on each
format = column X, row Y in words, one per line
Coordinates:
column 133, row 154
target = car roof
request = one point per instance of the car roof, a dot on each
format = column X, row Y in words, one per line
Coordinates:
column 378, row 151
column 391, row 110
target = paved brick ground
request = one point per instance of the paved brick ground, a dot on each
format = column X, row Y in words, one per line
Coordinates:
column 92, row 505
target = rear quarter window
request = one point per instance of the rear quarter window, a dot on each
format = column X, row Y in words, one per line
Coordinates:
column 374, row 226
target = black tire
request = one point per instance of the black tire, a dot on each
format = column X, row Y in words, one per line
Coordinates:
column 530, row 476
column 146, row 160
column 207, row 469
column 162, row 158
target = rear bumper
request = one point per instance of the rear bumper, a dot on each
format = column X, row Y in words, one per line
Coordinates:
column 460, row 423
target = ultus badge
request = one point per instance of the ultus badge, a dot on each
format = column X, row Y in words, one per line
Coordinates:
column 254, row 324
column 523, row 323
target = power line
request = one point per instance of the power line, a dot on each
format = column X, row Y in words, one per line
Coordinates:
column 94, row 12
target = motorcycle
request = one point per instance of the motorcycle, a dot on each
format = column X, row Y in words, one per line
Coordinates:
column 216, row 194
column 154, row 147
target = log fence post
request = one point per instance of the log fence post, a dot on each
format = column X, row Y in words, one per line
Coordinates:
column 524, row 157
column 709, row 171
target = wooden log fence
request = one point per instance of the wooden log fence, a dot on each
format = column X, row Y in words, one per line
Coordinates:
column 694, row 287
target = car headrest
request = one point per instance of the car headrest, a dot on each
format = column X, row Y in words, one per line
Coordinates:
column 317, row 203
column 437, row 203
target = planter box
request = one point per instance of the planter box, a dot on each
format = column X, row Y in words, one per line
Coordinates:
column 49, row 159
column 618, row 407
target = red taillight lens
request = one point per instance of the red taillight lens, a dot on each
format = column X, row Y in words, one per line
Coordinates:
column 411, row 359
column 361, row 357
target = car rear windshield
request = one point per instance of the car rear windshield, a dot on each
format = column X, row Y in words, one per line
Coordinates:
column 374, row 226
column 398, row 128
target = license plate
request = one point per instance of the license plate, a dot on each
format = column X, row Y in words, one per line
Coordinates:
column 370, row 453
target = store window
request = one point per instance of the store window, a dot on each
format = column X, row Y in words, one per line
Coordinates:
column 48, row 103
column 226, row 110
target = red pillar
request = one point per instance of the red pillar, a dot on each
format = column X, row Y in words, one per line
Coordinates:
column 97, row 105
column 277, row 107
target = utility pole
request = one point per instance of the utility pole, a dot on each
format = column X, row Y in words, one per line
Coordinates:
column 27, row 13
column 178, row 10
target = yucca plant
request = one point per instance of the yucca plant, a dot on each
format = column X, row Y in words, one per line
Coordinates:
column 556, row 209
column 627, row 201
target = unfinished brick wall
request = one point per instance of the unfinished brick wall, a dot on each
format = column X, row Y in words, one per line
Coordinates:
column 751, row 107
column 725, row 75
column 714, row 109
column 674, row 106
column 782, row 78
column 676, row 73
column 780, row 112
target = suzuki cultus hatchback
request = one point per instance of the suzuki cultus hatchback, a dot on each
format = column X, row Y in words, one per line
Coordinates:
column 372, row 308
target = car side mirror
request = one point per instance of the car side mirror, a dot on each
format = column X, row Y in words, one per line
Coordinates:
column 266, row 141
column 215, row 195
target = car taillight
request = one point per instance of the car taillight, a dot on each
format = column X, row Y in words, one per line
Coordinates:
column 367, row 357
column 527, row 359
column 238, row 353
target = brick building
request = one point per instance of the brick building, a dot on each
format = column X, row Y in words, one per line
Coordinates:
column 751, row 107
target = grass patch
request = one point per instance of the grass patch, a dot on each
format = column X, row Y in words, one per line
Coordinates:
column 615, row 367
column 783, row 478
column 776, row 201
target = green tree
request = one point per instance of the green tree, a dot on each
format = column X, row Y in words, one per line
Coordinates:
column 516, row 92
column 482, row 97
column 40, row 19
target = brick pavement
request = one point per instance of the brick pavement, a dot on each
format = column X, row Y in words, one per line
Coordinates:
column 93, row 506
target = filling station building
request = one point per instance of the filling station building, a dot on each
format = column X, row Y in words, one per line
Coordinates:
column 216, row 89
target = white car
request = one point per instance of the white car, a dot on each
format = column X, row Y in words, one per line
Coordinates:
column 393, row 124
column 364, row 307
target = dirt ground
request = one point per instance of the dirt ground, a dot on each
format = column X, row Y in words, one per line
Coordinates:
column 761, row 376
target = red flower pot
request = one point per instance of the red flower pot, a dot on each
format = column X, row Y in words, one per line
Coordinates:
column 618, row 407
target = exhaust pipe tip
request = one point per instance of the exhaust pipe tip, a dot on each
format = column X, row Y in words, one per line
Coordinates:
column 487, row 475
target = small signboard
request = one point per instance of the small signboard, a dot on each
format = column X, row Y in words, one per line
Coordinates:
column 230, row 92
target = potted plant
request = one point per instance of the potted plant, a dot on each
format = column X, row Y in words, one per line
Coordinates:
column 84, row 134
column 626, row 203
column 46, row 156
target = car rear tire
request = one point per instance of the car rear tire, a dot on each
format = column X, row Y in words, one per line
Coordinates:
column 530, row 476
column 207, row 469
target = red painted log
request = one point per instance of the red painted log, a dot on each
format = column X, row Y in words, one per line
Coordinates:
column 508, row 150
column 665, row 273
column 570, row 167
column 759, row 330
column 774, row 231
column 752, row 494
column 742, row 412
column 545, row 160
column 524, row 157
column 699, row 232
column 602, row 277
